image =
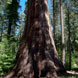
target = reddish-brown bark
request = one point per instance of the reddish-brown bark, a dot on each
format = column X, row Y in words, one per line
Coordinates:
column 37, row 56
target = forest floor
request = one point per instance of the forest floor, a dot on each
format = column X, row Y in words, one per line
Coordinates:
column 70, row 74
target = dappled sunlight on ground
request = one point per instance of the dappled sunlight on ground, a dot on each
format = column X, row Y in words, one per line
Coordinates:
column 70, row 74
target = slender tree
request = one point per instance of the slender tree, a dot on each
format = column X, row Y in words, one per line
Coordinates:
column 37, row 56
column 69, row 37
column 1, row 29
column 21, row 26
column 54, row 21
column 1, row 18
column 62, row 30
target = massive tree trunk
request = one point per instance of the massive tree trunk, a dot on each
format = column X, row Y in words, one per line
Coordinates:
column 37, row 56
column 62, row 30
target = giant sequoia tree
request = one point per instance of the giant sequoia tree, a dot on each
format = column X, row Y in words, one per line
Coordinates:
column 37, row 56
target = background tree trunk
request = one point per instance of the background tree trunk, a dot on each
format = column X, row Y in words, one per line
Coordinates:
column 1, row 32
column 69, row 38
column 54, row 21
column 62, row 30
column 9, row 30
column 37, row 56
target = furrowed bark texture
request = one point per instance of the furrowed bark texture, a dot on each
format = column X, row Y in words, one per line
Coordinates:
column 37, row 56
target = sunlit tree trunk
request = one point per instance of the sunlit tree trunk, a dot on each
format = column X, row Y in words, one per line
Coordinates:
column 21, row 28
column 37, row 56
column 62, row 30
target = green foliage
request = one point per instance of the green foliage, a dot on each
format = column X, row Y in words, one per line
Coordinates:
column 12, row 11
column 6, row 61
column 7, row 54
column 9, row 1
column 8, row 48
column 75, row 60
column 6, row 45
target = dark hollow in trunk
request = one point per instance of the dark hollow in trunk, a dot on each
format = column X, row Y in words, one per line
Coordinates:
column 37, row 56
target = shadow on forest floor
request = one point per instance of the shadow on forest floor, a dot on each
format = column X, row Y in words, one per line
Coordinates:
column 70, row 74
